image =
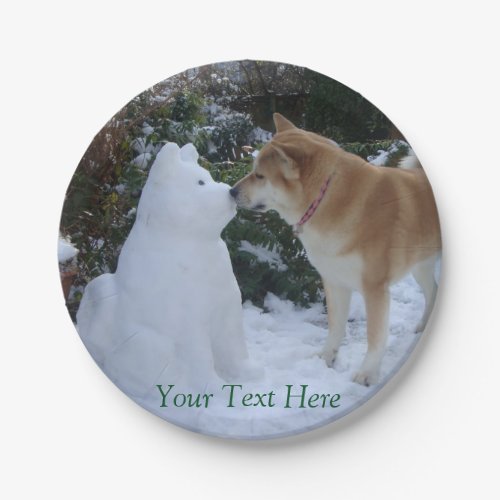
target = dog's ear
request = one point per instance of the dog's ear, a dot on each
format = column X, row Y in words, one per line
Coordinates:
column 281, row 123
column 289, row 157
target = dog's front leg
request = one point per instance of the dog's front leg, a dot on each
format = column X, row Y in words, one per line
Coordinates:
column 377, row 316
column 337, row 304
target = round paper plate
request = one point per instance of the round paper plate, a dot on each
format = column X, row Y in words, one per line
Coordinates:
column 249, row 249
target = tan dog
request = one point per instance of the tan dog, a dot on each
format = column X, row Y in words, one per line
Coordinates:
column 363, row 227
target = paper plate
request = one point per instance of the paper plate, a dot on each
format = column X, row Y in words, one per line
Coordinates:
column 249, row 249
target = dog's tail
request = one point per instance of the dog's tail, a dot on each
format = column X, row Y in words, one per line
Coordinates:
column 410, row 161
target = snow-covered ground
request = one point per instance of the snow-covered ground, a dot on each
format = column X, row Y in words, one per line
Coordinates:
column 286, row 341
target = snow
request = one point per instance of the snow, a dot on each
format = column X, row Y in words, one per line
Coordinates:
column 169, row 323
column 142, row 160
column 147, row 129
column 212, row 108
column 286, row 341
column 381, row 157
column 120, row 188
column 65, row 250
column 259, row 135
column 140, row 145
column 264, row 255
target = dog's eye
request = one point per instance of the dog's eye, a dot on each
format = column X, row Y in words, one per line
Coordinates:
column 259, row 176
column 201, row 183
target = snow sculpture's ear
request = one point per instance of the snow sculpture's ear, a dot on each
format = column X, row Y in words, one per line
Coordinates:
column 189, row 153
column 169, row 154
column 166, row 161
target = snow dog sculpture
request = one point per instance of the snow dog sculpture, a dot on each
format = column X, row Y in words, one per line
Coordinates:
column 171, row 313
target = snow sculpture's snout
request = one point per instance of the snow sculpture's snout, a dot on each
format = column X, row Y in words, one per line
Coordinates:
column 180, row 196
column 222, row 203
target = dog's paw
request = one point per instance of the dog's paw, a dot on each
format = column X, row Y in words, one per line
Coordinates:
column 328, row 355
column 365, row 378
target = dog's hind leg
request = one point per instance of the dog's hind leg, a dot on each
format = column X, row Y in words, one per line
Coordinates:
column 337, row 304
column 377, row 301
column 423, row 272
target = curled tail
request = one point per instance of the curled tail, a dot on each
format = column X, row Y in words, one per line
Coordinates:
column 409, row 162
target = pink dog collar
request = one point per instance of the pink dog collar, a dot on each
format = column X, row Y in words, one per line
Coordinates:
column 297, row 228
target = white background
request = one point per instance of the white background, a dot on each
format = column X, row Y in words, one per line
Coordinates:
column 67, row 67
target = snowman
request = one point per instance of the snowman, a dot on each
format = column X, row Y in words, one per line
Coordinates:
column 171, row 313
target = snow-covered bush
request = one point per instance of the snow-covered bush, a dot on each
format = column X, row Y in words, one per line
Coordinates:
column 230, row 131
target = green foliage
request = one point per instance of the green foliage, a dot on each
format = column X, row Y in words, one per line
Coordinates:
column 186, row 108
column 336, row 111
column 292, row 277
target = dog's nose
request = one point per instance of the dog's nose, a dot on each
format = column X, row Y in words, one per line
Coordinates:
column 233, row 192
